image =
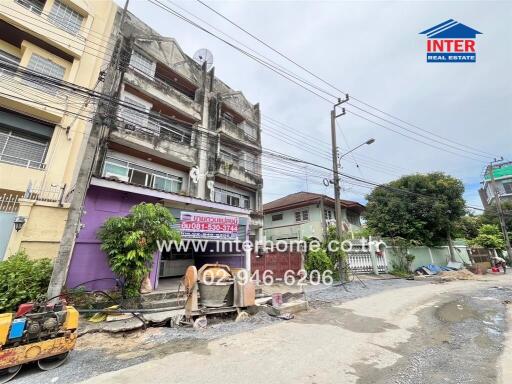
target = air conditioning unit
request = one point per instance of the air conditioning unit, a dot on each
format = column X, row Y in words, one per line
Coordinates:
column 115, row 177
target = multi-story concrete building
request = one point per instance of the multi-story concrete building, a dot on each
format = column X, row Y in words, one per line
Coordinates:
column 43, row 123
column 183, row 138
column 503, row 181
column 307, row 215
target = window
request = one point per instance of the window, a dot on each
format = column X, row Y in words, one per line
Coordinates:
column 167, row 183
column 35, row 6
column 45, row 67
column 328, row 214
column 135, row 174
column 8, row 60
column 302, row 215
column 507, row 187
column 277, row 217
column 250, row 130
column 66, row 18
column 138, row 116
column 116, row 168
column 250, row 162
column 232, row 198
column 22, row 149
column 142, row 63
column 229, row 156
column 353, row 218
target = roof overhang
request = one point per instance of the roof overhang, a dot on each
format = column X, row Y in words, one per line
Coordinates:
column 180, row 200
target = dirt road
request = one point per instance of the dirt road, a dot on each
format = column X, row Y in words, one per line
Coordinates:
column 433, row 333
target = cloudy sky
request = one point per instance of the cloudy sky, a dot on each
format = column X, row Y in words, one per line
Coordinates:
column 373, row 51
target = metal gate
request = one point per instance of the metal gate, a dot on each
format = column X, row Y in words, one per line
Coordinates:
column 277, row 262
column 361, row 262
column 8, row 208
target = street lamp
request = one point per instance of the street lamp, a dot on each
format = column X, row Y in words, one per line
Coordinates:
column 18, row 222
column 367, row 142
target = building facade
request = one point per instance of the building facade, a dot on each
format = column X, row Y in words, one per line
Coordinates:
column 182, row 138
column 503, row 183
column 49, row 49
column 307, row 215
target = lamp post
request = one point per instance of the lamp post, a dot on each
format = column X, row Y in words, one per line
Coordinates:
column 367, row 142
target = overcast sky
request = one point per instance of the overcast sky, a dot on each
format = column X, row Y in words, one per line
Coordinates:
column 373, row 51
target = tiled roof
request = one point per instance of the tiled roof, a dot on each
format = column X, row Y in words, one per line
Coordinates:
column 299, row 199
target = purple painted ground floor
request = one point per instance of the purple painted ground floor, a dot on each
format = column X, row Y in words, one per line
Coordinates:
column 89, row 266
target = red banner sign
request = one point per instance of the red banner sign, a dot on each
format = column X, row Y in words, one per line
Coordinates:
column 208, row 226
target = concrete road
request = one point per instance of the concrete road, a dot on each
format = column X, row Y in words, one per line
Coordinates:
column 435, row 333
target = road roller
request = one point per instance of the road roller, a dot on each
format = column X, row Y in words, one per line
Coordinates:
column 37, row 332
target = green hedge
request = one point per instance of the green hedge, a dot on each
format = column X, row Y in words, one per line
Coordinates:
column 22, row 280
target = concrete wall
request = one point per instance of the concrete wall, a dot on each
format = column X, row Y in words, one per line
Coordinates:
column 40, row 235
column 440, row 256
column 86, row 54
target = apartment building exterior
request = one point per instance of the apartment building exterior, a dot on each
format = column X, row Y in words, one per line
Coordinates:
column 43, row 126
column 183, row 138
column 503, row 182
column 307, row 215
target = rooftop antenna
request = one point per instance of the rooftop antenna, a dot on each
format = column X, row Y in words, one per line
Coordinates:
column 202, row 56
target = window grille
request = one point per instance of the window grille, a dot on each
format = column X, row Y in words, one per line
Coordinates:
column 142, row 63
column 66, row 18
column 45, row 67
column 24, row 150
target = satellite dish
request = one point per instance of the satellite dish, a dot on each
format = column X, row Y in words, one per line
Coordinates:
column 204, row 56
column 194, row 174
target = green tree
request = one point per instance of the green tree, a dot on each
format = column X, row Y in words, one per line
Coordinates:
column 489, row 236
column 130, row 242
column 23, row 280
column 467, row 227
column 490, row 215
column 426, row 211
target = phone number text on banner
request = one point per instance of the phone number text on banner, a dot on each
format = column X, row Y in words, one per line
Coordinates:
column 207, row 226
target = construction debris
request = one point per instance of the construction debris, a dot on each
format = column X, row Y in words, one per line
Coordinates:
column 463, row 274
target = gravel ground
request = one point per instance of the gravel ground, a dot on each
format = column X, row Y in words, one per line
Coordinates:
column 458, row 341
column 99, row 353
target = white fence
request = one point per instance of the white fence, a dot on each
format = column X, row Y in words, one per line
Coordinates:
column 361, row 262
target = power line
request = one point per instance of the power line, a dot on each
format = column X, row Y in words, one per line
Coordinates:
column 330, row 84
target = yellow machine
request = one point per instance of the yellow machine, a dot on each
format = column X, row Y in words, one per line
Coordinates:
column 36, row 332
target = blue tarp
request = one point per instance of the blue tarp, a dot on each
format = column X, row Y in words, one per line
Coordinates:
column 435, row 269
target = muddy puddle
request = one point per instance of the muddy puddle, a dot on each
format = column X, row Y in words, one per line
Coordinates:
column 346, row 319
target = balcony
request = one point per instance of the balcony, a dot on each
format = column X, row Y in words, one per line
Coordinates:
column 237, row 133
column 35, row 16
column 157, row 135
column 237, row 173
column 159, row 90
column 31, row 96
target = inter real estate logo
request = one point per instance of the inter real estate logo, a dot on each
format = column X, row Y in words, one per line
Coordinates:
column 451, row 42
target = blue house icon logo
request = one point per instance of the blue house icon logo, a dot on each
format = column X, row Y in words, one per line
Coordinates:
column 451, row 42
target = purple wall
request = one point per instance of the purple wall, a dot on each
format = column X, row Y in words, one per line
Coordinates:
column 88, row 261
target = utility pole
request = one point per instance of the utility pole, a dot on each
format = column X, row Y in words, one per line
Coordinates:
column 501, row 217
column 336, row 178
column 72, row 226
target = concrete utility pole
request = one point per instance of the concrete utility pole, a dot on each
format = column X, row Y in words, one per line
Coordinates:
column 336, row 175
column 71, row 228
column 501, row 217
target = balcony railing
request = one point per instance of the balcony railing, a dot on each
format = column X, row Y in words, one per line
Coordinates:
column 160, row 127
column 236, row 130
